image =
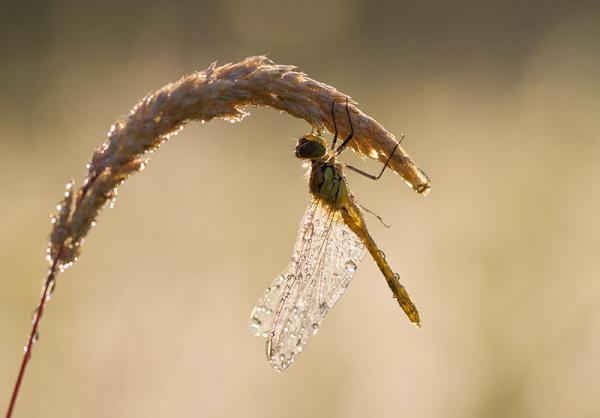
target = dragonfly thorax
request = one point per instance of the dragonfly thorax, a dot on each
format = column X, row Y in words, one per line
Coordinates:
column 327, row 182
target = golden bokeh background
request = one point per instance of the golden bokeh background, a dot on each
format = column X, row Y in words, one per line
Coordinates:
column 500, row 102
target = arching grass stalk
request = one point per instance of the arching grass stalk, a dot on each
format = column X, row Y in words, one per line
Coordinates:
column 217, row 92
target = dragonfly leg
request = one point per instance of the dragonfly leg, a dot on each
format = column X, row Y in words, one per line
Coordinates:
column 374, row 214
column 335, row 135
column 350, row 136
column 371, row 176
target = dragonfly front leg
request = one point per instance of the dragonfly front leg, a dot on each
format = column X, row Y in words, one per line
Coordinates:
column 335, row 135
column 350, row 135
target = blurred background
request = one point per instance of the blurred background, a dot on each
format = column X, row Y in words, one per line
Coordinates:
column 500, row 103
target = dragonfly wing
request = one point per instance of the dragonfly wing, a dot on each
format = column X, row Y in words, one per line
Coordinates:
column 325, row 258
column 262, row 316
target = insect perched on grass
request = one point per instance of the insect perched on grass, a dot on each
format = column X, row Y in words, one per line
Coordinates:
column 331, row 242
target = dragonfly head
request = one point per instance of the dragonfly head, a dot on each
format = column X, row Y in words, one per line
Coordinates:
column 311, row 147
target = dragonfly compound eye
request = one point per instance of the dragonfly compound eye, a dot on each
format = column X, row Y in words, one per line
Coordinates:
column 309, row 149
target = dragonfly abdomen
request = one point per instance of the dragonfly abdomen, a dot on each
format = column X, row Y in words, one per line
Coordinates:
column 354, row 220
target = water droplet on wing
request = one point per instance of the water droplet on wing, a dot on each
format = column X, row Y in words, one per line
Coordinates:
column 308, row 232
column 254, row 325
column 350, row 266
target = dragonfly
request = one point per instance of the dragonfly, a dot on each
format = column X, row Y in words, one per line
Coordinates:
column 332, row 240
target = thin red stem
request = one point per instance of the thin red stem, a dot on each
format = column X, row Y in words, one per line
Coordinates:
column 40, row 309
column 32, row 336
column 48, row 285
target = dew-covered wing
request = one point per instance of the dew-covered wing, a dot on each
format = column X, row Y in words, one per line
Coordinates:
column 323, row 262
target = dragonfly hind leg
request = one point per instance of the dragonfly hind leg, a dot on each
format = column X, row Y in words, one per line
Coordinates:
column 371, row 176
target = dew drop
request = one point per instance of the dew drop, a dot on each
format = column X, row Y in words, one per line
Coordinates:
column 350, row 266
column 285, row 365
column 51, row 289
column 62, row 267
column 323, row 308
column 34, row 315
column 315, row 328
column 254, row 325
column 308, row 232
